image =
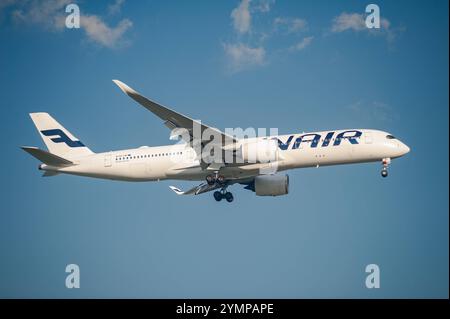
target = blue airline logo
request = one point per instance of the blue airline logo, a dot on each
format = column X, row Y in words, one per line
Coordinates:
column 62, row 138
column 351, row 136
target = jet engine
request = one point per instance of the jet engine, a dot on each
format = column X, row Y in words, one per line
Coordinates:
column 271, row 185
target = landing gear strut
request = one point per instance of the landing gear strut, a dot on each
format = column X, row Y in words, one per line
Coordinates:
column 211, row 179
column 385, row 162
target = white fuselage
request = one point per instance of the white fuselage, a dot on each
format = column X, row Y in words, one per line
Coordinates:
column 180, row 161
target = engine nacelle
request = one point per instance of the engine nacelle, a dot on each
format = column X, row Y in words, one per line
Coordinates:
column 259, row 151
column 272, row 185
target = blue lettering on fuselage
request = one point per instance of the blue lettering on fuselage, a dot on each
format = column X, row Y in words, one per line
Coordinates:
column 352, row 139
column 314, row 138
column 327, row 139
column 284, row 146
column 314, row 141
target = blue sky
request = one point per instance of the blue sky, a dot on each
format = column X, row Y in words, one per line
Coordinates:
column 293, row 65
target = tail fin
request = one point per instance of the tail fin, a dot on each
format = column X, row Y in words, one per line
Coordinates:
column 58, row 140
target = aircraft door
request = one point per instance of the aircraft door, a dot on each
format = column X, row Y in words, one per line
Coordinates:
column 107, row 160
column 190, row 154
column 368, row 137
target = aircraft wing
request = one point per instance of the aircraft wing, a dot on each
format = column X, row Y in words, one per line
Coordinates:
column 174, row 120
column 204, row 187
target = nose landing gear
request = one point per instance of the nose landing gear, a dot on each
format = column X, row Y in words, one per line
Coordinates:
column 385, row 162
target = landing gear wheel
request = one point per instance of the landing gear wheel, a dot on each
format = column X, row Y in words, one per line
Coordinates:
column 384, row 173
column 211, row 180
column 229, row 197
column 218, row 196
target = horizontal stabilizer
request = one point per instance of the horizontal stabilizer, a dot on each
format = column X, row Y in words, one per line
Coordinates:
column 46, row 157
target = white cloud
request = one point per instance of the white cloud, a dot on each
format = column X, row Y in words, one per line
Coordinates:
column 242, row 56
column 241, row 17
column 357, row 22
column 302, row 44
column 51, row 14
column 249, row 51
column 349, row 21
column 102, row 34
column 115, row 7
column 292, row 25
column 297, row 25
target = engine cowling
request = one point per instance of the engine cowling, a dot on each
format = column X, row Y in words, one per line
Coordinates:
column 259, row 151
column 272, row 185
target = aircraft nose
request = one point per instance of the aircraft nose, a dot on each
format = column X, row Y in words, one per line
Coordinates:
column 405, row 149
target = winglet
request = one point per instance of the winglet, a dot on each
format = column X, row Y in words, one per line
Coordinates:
column 125, row 88
column 177, row 190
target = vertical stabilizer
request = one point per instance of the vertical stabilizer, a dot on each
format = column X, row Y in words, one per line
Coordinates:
column 58, row 140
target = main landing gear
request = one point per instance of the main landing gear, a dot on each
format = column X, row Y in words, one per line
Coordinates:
column 385, row 162
column 215, row 178
column 219, row 195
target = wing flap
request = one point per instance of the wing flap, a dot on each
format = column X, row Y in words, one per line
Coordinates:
column 197, row 190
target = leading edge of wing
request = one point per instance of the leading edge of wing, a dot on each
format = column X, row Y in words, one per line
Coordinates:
column 171, row 117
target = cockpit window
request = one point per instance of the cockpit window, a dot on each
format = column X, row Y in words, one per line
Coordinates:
column 390, row 137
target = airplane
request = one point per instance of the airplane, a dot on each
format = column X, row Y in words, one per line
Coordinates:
column 254, row 162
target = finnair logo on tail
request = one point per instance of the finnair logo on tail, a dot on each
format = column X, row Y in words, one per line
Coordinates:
column 62, row 138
